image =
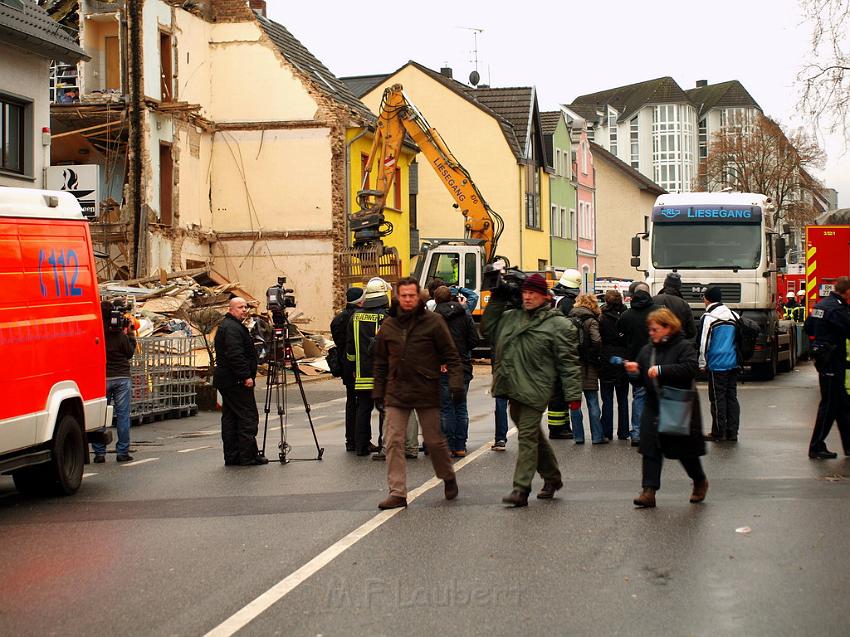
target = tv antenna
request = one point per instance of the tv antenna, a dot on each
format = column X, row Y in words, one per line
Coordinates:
column 474, row 77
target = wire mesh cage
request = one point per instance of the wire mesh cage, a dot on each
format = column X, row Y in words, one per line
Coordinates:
column 164, row 379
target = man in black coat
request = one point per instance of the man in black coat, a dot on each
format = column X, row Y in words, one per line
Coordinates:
column 339, row 334
column 235, row 371
column 671, row 297
column 632, row 325
column 613, row 378
column 829, row 323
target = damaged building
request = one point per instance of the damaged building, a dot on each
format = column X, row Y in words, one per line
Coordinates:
column 213, row 139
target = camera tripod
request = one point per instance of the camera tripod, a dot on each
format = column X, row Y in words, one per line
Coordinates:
column 280, row 356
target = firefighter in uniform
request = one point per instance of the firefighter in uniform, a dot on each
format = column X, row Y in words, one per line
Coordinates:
column 829, row 324
column 362, row 329
column 559, row 424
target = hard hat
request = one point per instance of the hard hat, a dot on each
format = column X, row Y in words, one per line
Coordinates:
column 570, row 279
column 790, row 295
column 801, row 292
column 376, row 293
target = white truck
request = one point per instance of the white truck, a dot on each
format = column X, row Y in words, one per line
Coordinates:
column 726, row 240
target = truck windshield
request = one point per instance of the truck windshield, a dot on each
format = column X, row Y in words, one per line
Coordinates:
column 705, row 245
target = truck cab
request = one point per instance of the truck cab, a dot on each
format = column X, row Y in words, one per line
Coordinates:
column 457, row 261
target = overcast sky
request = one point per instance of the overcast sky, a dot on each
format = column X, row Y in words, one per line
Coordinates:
column 566, row 48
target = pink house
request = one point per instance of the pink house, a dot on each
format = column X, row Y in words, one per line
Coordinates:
column 584, row 179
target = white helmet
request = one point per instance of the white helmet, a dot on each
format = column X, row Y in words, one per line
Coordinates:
column 801, row 292
column 570, row 279
column 790, row 295
column 376, row 293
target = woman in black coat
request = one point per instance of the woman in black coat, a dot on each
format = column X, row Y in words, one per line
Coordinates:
column 674, row 365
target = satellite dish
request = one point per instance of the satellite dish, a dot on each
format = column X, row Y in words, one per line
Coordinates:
column 474, row 78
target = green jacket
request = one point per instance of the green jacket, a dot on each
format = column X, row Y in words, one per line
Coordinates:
column 531, row 350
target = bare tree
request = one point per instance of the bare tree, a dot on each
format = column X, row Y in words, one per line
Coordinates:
column 760, row 157
column 825, row 79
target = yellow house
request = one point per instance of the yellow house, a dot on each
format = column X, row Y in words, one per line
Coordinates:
column 397, row 211
column 495, row 133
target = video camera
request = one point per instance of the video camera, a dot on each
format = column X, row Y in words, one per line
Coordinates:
column 278, row 299
column 508, row 279
column 118, row 319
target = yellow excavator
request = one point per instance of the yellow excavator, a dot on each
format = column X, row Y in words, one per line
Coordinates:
column 458, row 259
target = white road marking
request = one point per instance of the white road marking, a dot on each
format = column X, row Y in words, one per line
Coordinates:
column 194, row 449
column 315, row 418
column 254, row 609
column 137, row 462
column 89, row 475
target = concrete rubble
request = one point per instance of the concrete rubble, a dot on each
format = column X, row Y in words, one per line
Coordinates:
column 191, row 303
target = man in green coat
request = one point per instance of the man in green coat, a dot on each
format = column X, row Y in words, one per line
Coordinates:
column 533, row 347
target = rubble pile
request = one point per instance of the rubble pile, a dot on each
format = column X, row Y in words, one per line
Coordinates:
column 191, row 303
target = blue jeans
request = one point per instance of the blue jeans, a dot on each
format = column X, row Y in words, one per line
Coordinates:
column 638, row 399
column 591, row 397
column 454, row 417
column 501, row 420
column 118, row 395
column 622, row 391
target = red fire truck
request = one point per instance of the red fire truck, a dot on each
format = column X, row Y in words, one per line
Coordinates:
column 827, row 258
column 52, row 357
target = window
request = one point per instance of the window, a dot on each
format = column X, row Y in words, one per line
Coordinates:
column 470, row 271
column 542, row 264
column 583, row 159
column 585, row 220
column 612, row 131
column 12, row 135
column 166, row 185
column 558, row 162
column 555, row 222
column 445, row 267
column 736, row 120
column 532, row 211
column 703, row 139
column 671, row 131
column 364, row 172
column 166, row 67
column 634, row 143
column 573, row 229
column 397, row 189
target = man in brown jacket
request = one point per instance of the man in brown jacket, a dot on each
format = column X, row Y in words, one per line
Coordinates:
column 409, row 350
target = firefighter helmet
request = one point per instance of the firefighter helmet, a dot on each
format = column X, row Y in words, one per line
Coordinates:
column 570, row 279
column 376, row 293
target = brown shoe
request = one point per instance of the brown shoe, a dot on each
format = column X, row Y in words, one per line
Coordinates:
column 646, row 499
column 451, row 489
column 548, row 490
column 393, row 502
column 700, row 489
column 516, row 498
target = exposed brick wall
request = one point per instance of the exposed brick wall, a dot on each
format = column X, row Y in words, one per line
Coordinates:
column 230, row 10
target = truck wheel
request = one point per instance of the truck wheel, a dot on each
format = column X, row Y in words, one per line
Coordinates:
column 69, row 456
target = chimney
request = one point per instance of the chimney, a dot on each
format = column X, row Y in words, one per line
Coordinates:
column 230, row 10
column 259, row 5
column 701, row 83
column 447, row 71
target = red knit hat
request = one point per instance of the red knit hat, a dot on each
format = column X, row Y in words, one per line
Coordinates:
column 536, row 283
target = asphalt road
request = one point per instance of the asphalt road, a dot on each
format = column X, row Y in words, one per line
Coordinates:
column 177, row 544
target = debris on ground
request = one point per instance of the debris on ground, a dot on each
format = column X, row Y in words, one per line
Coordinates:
column 191, row 303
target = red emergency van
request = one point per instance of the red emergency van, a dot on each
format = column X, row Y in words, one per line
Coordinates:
column 827, row 258
column 52, row 356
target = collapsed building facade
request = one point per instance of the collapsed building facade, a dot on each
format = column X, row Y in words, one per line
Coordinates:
column 219, row 142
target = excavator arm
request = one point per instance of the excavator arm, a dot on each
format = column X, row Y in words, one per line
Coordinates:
column 398, row 115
